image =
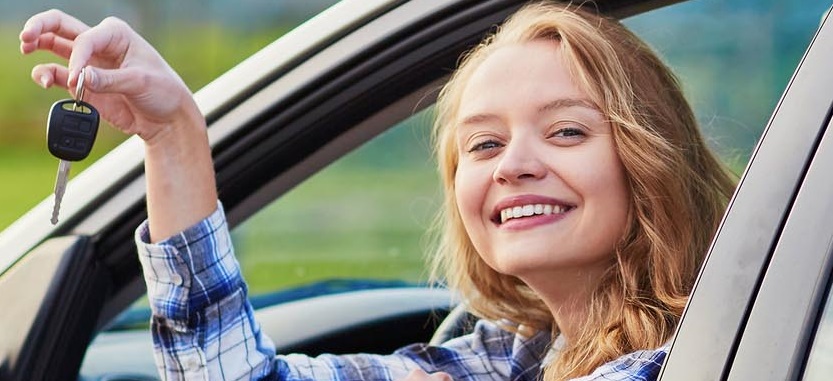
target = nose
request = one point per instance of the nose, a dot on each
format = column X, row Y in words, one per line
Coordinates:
column 519, row 161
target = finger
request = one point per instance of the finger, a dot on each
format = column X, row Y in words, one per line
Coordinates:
column 421, row 375
column 111, row 38
column 50, row 74
column 51, row 21
column 416, row 375
column 62, row 47
column 441, row 376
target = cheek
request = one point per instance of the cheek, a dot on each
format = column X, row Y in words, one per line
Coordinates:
column 605, row 192
column 613, row 196
column 466, row 191
column 471, row 184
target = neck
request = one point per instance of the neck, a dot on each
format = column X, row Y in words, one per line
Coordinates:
column 567, row 294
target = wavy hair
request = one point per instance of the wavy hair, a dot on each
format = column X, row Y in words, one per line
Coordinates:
column 679, row 191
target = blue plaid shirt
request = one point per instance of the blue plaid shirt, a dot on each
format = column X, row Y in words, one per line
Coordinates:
column 204, row 328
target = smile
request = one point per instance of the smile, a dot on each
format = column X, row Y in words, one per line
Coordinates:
column 531, row 210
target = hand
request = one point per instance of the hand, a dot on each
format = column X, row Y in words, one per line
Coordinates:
column 126, row 79
column 420, row 375
column 135, row 90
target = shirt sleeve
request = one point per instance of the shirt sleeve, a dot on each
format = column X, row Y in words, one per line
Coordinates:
column 488, row 353
column 203, row 325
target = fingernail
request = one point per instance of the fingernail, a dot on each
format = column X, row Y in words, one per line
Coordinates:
column 69, row 77
column 44, row 81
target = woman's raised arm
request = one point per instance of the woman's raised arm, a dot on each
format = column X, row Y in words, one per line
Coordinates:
column 137, row 91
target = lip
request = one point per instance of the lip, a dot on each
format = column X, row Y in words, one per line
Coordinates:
column 527, row 199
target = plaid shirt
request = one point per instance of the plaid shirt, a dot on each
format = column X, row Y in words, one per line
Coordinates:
column 204, row 328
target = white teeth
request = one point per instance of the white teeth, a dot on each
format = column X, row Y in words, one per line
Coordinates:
column 530, row 210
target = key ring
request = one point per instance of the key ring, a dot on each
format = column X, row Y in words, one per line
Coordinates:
column 79, row 89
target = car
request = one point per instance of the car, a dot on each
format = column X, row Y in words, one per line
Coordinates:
column 759, row 309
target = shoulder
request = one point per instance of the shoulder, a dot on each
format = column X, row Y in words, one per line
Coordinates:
column 643, row 365
column 491, row 351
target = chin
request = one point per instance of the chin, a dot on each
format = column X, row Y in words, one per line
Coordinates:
column 546, row 262
column 520, row 265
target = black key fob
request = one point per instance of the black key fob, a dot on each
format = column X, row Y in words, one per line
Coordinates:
column 71, row 129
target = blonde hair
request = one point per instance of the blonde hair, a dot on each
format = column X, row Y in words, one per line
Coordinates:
column 679, row 191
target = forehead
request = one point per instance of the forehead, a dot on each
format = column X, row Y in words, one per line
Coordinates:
column 517, row 77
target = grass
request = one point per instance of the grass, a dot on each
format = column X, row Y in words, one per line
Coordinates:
column 352, row 220
column 28, row 176
column 27, row 170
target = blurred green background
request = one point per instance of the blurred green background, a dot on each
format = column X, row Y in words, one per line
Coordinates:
column 734, row 59
column 200, row 39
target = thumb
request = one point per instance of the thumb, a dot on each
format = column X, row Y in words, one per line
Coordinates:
column 127, row 81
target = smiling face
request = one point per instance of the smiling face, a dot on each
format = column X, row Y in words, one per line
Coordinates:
column 539, row 184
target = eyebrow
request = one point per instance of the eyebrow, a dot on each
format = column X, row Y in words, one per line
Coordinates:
column 550, row 106
column 568, row 102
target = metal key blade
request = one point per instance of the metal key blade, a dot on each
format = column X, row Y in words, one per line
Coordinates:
column 60, row 187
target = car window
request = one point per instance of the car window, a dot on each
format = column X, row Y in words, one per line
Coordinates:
column 359, row 223
column 362, row 221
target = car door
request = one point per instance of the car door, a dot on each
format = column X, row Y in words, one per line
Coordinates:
column 757, row 302
column 275, row 119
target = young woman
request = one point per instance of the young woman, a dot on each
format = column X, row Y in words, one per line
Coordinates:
column 580, row 200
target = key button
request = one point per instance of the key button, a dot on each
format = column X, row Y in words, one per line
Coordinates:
column 85, row 127
column 70, row 123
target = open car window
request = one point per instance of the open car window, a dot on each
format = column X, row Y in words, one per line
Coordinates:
column 359, row 223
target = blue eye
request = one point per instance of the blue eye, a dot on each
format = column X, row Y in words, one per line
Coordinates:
column 483, row 146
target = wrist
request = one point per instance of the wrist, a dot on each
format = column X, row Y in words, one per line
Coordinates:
column 180, row 176
column 177, row 131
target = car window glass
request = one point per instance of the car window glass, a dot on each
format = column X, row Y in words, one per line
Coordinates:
column 359, row 223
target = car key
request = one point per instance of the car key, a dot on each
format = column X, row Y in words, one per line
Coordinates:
column 71, row 131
